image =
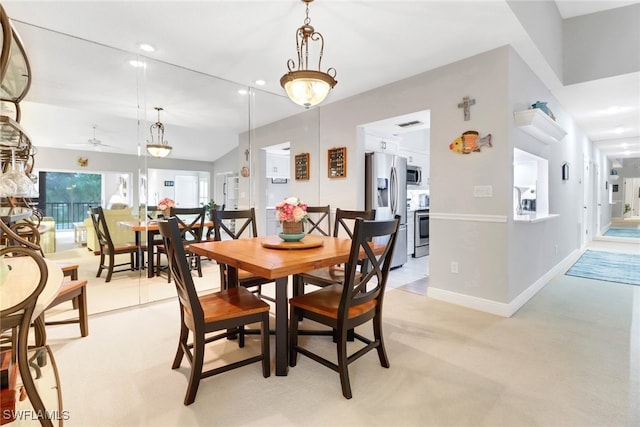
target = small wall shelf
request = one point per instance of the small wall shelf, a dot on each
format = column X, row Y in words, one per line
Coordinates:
column 539, row 125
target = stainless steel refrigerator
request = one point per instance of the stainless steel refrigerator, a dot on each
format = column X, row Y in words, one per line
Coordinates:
column 386, row 192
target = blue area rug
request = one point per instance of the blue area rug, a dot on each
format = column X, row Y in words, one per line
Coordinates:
column 608, row 266
column 623, row 232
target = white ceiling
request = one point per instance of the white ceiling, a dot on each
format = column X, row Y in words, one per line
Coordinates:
column 77, row 84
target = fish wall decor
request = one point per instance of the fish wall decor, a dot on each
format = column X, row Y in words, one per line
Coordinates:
column 470, row 141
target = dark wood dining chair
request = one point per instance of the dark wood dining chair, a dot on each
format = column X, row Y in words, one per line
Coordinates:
column 226, row 312
column 107, row 248
column 343, row 227
column 211, row 230
column 235, row 225
column 191, row 224
column 354, row 303
column 151, row 212
column 319, row 220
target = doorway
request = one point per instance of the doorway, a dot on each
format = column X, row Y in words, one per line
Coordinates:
column 186, row 191
column 631, row 197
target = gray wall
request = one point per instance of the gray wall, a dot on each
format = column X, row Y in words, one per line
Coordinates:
column 60, row 160
column 602, row 44
column 501, row 263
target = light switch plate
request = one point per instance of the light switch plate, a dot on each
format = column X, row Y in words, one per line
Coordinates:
column 483, row 191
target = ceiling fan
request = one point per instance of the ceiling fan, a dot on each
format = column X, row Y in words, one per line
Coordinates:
column 93, row 142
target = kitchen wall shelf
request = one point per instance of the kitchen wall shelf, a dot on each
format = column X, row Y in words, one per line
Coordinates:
column 539, row 125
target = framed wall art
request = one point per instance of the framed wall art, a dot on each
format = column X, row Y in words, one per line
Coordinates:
column 337, row 167
column 302, row 166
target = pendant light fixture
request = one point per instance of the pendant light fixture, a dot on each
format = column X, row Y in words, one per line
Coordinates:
column 304, row 86
column 162, row 147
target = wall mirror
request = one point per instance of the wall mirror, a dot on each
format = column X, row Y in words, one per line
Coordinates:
column 216, row 127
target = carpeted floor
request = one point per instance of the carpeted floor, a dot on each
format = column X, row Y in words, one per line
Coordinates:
column 608, row 266
column 623, row 232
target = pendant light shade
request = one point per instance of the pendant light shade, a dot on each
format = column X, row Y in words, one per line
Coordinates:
column 307, row 87
column 161, row 148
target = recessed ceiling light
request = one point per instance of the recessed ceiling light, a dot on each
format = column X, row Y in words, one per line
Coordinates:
column 242, row 91
column 260, row 82
column 137, row 64
column 146, row 47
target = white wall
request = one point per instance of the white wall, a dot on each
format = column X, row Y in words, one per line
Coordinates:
column 499, row 262
column 534, row 248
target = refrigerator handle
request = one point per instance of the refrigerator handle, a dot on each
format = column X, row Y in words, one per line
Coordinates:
column 394, row 190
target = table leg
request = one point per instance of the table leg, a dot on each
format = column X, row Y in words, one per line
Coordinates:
column 282, row 339
column 137, row 242
column 151, row 270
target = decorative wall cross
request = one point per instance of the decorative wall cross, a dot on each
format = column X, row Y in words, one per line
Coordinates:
column 466, row 104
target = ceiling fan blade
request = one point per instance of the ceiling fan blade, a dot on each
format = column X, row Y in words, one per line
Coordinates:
column 103, row 145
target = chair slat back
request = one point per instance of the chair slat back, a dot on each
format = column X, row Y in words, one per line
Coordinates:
column 180, row 272
column 190, row 222
column 100, row 227
column 345, row 221
column 362, row 287
column 319, row 220
column 244, row 221
column 150, row 212
column 210, row 230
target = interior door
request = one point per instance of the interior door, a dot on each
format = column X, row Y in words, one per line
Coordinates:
column 587, row 203
column 186, row 191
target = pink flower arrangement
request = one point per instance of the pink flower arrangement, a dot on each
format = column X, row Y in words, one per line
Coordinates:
column 291, row 209
column 166, row 203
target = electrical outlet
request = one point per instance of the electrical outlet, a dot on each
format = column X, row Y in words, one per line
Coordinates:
column 483, row 191
column 454, row 266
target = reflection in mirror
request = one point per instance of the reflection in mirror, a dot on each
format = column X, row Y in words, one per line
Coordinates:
column 60, row 119
column 216, row 128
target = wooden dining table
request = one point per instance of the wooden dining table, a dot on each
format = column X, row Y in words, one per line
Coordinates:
column 271, row 258
column 152, row 229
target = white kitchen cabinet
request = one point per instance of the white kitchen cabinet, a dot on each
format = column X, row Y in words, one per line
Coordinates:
column 380, row 144
column 277, row 166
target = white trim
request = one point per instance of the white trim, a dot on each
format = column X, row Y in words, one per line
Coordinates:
column 480, row 304
column 467, row 217
column 495, row 307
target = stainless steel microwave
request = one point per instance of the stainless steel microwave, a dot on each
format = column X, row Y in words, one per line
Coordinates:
column 414, row 175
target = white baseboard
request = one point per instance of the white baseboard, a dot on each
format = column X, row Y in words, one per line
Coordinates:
column 495, row 307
